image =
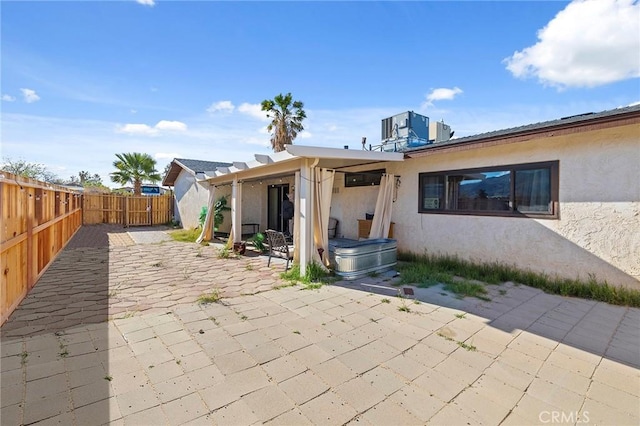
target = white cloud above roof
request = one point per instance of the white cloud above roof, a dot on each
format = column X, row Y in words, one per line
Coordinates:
column 146, row 2
column 30, row 96
column 441, row 94
column 587, row 44
column 254, row 110
column 171, row 125
column 145, row 129
column 221, row 106
column 137, row 129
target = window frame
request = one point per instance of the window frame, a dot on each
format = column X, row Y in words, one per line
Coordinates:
column 552, row 166
column 369, row 178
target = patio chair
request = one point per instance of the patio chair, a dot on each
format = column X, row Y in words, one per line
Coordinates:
column 278, row 246
column 333, row 227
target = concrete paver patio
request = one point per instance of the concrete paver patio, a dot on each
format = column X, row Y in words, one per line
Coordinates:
column 112, row 334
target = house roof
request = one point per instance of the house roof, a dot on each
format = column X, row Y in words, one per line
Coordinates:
column 291, row 160
column 580, row 120
column 191, row 166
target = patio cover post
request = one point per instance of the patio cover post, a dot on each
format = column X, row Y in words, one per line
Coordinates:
column 296, row 219
column 236, row 210
column 306, row 213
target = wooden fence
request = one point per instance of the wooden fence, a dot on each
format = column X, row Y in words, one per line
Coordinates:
column 38, row 219
column 126, row 210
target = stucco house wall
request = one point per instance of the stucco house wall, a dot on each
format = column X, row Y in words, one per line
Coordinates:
column 598, row 229
column 353, row 203
column 190, row 197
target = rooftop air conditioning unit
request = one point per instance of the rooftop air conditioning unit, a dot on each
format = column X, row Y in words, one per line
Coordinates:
column 439, row 132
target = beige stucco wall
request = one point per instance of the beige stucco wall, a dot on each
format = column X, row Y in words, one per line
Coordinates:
column 597, row 233
column 254, row 201
column 350, row 204
column 190, row 197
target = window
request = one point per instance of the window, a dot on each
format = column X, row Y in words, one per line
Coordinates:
column 516, row 190
column 369, row 178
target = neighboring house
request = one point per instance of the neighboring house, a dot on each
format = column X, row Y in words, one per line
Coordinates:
column 560, row 197
column 189, row 195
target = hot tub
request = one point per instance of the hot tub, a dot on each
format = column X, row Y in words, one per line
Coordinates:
column 351, row 259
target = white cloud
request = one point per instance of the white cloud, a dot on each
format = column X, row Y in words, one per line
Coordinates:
column 222, row 106
column 150, row 3
column 171, row 125
column 30, row 95
column 254, row 110
column 305, row 135
column 588, row 44
column 137, row 129
column 8, row 98
column 145, row 129
column 442, row 94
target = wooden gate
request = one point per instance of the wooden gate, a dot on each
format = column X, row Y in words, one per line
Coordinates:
column 127, row 210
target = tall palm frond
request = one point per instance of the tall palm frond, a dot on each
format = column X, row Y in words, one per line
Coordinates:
column 135, row 168
column 286, row 119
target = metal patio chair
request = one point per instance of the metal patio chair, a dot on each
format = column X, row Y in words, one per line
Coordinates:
column 279, row 247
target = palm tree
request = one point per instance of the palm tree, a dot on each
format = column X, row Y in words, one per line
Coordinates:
column 135, row 168
column 286, row 123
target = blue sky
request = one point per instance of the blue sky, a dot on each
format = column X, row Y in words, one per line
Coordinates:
column 82, row 81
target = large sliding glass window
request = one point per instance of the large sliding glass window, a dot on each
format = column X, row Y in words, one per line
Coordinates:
column 515, row 190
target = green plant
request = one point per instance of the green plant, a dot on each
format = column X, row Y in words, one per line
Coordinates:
column 502, row 292
column 224, row 252
column 404, row 308
column 219, row 207
column 495, row 273
column 108, row 378
column 459, row 315
column 385, row 300
column 444, row 336
column 466, row 346
column 296, row 332
column 63, row 350
column 213, row 297
column 185, row 235
column 315, row 276
column 23, row 357
column 258, row 242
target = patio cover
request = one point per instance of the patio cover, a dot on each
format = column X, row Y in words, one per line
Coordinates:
column 301, row 161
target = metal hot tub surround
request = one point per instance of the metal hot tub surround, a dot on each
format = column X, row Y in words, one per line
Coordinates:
column 352, row 259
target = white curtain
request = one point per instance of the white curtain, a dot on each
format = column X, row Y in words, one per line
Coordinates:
column 382, row 215
column 207, row 229
column 322, row 192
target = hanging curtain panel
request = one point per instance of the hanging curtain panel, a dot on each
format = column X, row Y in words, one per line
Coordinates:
column 384, row 205
column 322, row 192
column 207, row 229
